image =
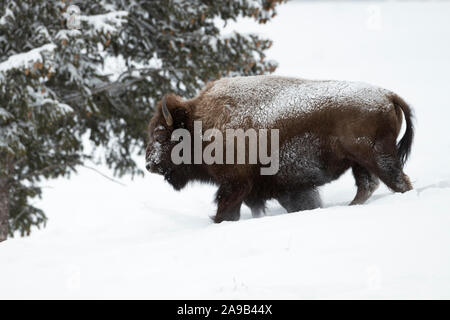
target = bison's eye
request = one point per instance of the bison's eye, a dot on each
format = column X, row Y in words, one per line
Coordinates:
column 160, row 136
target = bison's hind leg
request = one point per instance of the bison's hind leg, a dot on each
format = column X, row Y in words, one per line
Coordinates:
column 257, row 206
column 388, row 167
column 298, row 200
column 366, row 183
column 390, row 172
column 383, row 161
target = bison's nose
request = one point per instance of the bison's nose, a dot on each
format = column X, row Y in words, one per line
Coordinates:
column 148, row 166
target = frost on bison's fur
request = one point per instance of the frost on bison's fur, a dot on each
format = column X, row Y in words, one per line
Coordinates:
column 325, row 128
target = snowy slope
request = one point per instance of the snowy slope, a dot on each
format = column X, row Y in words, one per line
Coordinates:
column 144, row 240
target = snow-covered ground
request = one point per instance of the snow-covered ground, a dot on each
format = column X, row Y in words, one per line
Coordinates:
column 144, row 240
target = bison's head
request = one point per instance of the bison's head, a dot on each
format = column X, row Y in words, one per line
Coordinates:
column 170, row 114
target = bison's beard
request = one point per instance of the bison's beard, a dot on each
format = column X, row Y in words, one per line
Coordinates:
column 176, row 177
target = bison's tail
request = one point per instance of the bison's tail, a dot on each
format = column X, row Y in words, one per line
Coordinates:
column 404, row 145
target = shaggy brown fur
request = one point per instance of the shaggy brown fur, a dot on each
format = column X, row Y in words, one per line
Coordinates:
column 326, row 127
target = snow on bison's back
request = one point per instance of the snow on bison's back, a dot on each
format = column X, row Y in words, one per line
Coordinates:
column 266, row 99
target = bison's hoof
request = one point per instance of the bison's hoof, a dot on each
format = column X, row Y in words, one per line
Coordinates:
column 221, row 218
column 215, row 219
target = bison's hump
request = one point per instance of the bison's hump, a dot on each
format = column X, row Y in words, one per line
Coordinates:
column 266, row 99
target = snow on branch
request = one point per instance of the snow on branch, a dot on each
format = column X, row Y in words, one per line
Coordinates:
column 5, row 114
column 8, row 13
column 21, row 60
column 108, row 22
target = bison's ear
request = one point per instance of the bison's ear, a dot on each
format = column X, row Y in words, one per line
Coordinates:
column 180, row 117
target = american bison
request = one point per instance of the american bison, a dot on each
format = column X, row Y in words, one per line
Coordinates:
column 324, row 127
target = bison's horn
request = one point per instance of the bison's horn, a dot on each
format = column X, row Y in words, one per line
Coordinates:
column 166, row 113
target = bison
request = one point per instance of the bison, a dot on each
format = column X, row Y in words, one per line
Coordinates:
column 325, row 128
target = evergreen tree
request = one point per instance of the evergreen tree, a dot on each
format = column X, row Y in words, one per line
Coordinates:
column 55, row 88
column 40, row 59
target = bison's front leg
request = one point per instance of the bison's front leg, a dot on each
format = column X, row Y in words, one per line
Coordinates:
column 299, row 200
column 366, row 183
column 229, row 200
column 257, row 206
